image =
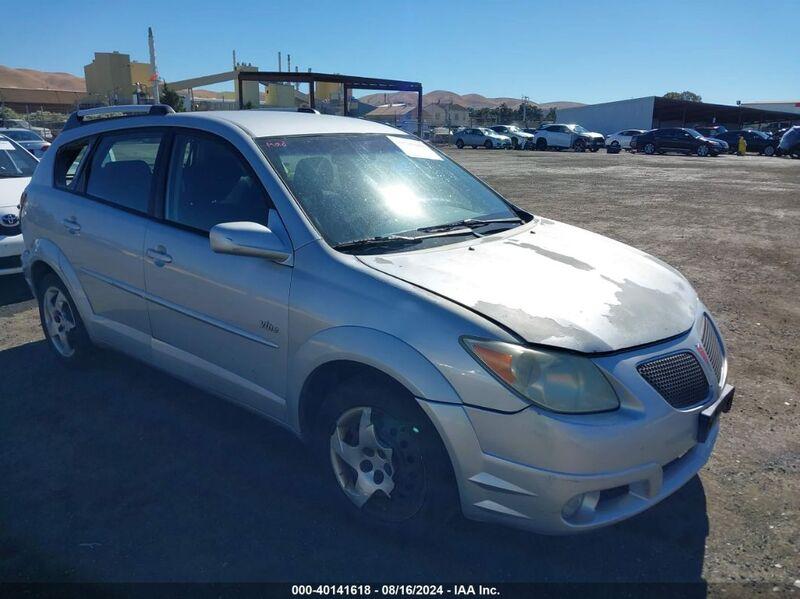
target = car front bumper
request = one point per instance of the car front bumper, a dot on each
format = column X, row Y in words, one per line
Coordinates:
column 10, row 251
column 561, row 474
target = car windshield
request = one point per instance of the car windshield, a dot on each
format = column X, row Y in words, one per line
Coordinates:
column 21, row 135
column 14, row 160
column 579, row 129
column 362, row 186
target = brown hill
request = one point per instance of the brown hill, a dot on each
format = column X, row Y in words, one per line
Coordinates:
column 468, row 100
column 31, row 79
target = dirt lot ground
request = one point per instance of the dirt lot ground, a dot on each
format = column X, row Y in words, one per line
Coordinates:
column 122, row 473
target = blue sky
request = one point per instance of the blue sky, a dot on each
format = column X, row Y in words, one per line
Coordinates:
column 554, row 50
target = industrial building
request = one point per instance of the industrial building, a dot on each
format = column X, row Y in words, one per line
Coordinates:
column 113, row 78
column 652, row 112
column 780, row 105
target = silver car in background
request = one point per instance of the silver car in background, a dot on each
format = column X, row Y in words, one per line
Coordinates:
column 437, row 346
column 28, row 140
column 481, row 136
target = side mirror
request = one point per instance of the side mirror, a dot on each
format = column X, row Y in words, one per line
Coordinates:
column 248, row 239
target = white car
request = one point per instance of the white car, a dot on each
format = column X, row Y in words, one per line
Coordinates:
column 481, row 136
column 621, row 140
column 28, row 139
column 519, row 138
column 16, row 167
column 572, row 136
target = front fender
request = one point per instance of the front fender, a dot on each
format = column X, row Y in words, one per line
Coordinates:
column 370, row 347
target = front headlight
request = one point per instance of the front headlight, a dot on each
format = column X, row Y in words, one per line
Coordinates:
column 555, row 380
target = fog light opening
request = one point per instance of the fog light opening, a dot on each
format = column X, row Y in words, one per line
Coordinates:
column 581, row 506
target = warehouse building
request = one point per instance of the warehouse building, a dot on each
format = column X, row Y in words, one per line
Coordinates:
column 652, row 112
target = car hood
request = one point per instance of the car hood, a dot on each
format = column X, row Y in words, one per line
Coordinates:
column 11, row 189
column 592, row 134
column 556, row 285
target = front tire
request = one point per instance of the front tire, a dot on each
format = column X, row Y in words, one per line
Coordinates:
column 460, row 144
column 62, row 325
column 541, row 144
column 488, row 144
column 384, row 459
column 702, row 151
column 579, row 146
column 769, row 151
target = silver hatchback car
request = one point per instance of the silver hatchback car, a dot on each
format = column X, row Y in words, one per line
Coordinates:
column 436, row 345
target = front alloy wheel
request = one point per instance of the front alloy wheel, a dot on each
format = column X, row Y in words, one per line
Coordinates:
column 702, row 151
column 378, row 463
column 649, row 148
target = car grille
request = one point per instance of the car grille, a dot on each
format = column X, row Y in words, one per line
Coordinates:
column 10, row 262
column 713, row 347
column 679, row 379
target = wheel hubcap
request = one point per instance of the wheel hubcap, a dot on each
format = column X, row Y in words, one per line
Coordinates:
column 59, row 320
column 377, row 463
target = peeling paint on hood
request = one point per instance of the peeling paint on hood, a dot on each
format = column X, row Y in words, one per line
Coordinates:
column 556, row 285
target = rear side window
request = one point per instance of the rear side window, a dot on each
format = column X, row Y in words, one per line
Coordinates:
column 68, row 161
column 209, row 183
column 122, row 169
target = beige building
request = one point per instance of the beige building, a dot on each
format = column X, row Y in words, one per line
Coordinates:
column 114, row 78
column 443, row 114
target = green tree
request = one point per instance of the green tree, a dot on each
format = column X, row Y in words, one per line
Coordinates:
column 687, row 95
column 171, row 98
column 551, row 115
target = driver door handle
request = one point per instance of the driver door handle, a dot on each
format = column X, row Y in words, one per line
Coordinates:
column 159, row 255
column 71, row 224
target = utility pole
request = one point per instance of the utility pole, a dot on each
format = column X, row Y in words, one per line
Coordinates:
column 152, row 44
column 279, row 62
column 525, row 110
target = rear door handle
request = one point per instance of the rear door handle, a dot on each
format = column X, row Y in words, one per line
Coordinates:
column 71, row 224
column 159, row 255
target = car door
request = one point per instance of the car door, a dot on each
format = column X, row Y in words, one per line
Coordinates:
column 104, row 216
column 218, row 319
column 562, row 136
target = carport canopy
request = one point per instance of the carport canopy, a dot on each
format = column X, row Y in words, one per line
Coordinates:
column 667, row 112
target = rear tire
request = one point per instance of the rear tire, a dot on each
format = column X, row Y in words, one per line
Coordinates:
column 62, row 325
column 372, row 437
column 650, row 148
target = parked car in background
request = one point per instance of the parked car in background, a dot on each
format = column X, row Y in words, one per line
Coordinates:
column 790, row 143
column 621, row 140
column 677, row 139
column 28, row 139
column 481, row 136
column 16, row 168
column 519, row 138
column 757, row 141
column 562, row 137
column 710, row 130
column 358, row 287
column 42, row 132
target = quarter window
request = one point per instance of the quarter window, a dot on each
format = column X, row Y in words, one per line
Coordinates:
column 122, row 169
column 68, row 160
column 210, row 184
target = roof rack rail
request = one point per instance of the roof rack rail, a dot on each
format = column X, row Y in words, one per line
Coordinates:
column 76, row 118
column 308, row 110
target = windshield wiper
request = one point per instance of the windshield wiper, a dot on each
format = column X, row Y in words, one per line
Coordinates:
column 471, row 222
column 400, row 239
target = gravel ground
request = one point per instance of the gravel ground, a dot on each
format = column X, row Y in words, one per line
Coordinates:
column 121, row 473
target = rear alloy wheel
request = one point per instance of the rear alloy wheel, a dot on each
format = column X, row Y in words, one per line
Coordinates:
column 769, row 151
column 649, row 148
column 488, row 144
column 388, row 465
column 460, row 144
column 579, row 145
column 702, row 150
column 61, row 323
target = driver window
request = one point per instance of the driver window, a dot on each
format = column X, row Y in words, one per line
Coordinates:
column 209, row 184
